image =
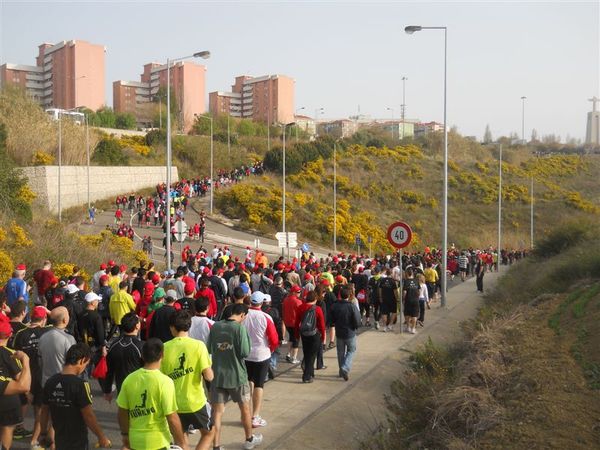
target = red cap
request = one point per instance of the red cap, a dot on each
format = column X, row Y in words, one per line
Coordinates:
column 156, row 278
column 39, row 312
column 206, row 270
column 111, row 263
column 295, row 288
column 339, row 279
column 308, row 276
column 325, row 282
column 102, row 266
column 21, row 267
column 188, row 288
column 123, row 268
column 103, row 278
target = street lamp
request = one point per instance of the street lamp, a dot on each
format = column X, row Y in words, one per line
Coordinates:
column 317, row 112
column 410, row 30
column 403, row 107
column 523, row 120
column 299, row 109
column 499, row 206
column 212, row 184
column 204, row 55
column 335, row 198
column 283, row 128
column 392, row 110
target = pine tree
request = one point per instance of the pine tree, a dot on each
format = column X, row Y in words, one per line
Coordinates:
column 487, row 136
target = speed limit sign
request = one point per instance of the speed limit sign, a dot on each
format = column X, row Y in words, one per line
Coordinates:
column 399, row 234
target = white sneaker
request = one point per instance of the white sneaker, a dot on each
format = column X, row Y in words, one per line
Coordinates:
column 413, row 331
column 258, row 421
column 255, row 442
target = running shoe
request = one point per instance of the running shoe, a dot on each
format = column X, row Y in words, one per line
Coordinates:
column 294, row 361
column 21, row 433
column 254, row 441
column 258, row 421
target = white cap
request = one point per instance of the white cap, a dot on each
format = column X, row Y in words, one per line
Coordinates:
column 72, row 289
column 171, row 293
column 92, row 296
column 257, row 298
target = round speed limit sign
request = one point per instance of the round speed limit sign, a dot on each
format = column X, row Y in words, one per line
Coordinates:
column 399, row 234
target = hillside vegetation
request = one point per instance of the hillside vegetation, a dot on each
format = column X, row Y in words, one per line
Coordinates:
column 379, row 185
column 527, row 374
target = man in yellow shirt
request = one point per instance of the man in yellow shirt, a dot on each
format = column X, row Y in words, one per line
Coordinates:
column 431, row 279
column 186, row 362
column 147, row 405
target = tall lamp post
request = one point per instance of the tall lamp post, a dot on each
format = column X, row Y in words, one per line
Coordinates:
column 296, row 127
column 335, row 197
column 283, row 128
column 211, row 160
column 410, row 30
column 317, row 112
column 523, row 119
column 205, row 55
column 403, row 107
column 392, row 110
column 499, row 206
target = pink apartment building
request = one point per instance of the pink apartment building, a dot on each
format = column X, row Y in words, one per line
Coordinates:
column 187, row 88
column 67, row 75
column 268, row 99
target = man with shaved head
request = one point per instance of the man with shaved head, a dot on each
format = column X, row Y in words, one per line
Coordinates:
column 55, row 343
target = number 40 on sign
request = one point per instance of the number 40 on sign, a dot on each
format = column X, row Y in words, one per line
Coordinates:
column 399, row 234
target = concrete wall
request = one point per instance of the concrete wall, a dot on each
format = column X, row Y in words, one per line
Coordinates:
column 105, row 182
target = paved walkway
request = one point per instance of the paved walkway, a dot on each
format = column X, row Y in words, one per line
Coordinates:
column 333, row 414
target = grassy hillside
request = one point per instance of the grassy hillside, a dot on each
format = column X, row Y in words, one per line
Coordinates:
column 377, row 186
column 526, row 375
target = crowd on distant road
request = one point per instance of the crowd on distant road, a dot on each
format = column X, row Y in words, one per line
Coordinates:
column 155, row 340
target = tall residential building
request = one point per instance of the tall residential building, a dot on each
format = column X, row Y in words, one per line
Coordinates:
column 268, row 99
column 67, row 75
column 187, row 90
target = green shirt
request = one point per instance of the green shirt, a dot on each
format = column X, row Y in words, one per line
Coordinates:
column 229, row 343
column 183, row 361
column 149, row 395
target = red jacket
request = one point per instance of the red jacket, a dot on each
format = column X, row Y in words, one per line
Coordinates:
column 318, row 314
column 212, row 301
column 290, row 306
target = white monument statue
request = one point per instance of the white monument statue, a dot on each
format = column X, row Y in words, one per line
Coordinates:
column 592, row 133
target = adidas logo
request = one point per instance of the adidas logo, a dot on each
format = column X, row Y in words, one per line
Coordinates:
column 59, row 386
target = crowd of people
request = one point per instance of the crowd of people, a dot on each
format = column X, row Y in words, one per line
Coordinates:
column 174, row 347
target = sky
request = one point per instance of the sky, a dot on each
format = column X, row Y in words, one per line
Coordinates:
column 348, row 55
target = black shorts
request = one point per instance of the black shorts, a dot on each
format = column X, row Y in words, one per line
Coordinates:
column 411, row 309
column 199, row 420
column 257, row 372
column 11, row 417
column 292, row 337
column 388, row 307
column 38, row 393
column 463, row 269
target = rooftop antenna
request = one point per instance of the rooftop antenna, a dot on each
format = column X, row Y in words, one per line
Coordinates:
column 594, row 100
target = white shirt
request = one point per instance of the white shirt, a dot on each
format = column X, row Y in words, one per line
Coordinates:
column 200, row 328
column 256, row 323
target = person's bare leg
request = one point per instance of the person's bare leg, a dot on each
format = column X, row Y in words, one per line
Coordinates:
column 37, row 412
column 257, row 397
column 206, row 439
column 7, row 436
column 217, row 416
column 246, row 418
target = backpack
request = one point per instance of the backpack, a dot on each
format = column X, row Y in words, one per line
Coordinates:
column 308, row 325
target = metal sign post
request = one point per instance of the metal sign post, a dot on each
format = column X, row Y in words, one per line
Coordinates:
column 399, row 234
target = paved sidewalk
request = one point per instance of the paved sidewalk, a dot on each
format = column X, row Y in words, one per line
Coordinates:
column 333, row 414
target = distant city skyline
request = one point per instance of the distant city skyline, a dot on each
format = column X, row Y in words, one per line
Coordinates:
column 348, row 55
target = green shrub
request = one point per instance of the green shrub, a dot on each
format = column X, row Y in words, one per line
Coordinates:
column 562, row 238
column 108, row 152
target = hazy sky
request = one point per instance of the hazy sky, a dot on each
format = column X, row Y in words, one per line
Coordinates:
column 343, row 54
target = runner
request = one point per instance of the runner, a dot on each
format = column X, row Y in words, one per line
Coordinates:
column 388, row 293
column 229, row 344
column 346, row 319
column 411, row 293
column 187, row 363
column 148, row 406
column 68, row 401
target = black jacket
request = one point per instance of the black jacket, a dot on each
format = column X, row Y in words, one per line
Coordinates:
column 159, row 326
column 124, row 356
column 346, row 319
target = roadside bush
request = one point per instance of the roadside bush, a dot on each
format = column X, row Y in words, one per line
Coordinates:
column 563, row 237
column 109, row 152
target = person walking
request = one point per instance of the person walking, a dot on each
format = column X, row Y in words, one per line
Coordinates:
column 310, row 327
column 411, row 293
column 124, row 355
column 479, row 273
column 55, row 343
column 187, row 363
column 67, row 400
column 229, row 345
column 147, row 404
column 264, row 340
column 346, row 319
column 290, row 308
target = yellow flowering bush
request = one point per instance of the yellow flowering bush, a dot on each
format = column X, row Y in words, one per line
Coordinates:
column 63, row 270
column 136, row 143
column 2, row 234
column 20, row 236
column 26, row 195
column 6, row 267
column 41, row 158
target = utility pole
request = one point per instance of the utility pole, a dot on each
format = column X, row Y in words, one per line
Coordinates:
column 403, row 107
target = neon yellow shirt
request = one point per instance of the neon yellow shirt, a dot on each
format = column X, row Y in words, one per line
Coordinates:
column 431, row 275
column 149, row 396
column 183, row 361
column 113, row 282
